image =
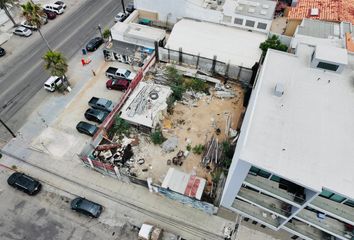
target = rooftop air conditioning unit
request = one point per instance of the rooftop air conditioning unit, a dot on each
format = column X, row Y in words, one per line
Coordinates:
column 314, row 11
column 251, row 10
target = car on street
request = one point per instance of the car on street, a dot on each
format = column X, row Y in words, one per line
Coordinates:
column 22, row 31
column 58, row 9
column 87, row 207
column 28, row 25
column 93, row 44
column 24, row 183
column 86, row 128
column 96, row 115
column 50, row 15
column 2, row 52
column 117, row 84
column 61, row 3
column 120, row 17
column 130, row 7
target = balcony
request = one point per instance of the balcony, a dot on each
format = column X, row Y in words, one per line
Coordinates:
column 329, row 225
column 305, row 231
column 270, row 220
column 266, row 202
column 338, row 210
column 272, row 188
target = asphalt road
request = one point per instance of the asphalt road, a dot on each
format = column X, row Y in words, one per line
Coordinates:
column 48, row 216
column 22, row 75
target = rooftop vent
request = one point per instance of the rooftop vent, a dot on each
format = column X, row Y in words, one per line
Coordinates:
column 314, row 11
column 239, row 8
column 251, row 10
column 279, row 90
column 265, row 6
column 263, row 12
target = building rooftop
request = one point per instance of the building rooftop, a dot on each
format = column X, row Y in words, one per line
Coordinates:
column 256, row 8
column 145, row 104
column 229, row 44
column 305, row 135
column 328, row 10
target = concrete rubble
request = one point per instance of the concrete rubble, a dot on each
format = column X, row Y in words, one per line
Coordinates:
column 170, row 144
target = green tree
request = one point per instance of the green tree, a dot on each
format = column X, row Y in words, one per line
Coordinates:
column 34, row 15
column 272, row 42
column 55, row 63
column 3, row 5
column 106, row 33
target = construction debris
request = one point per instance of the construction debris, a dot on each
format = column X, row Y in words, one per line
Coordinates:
column 212, row 153
column 170, row 144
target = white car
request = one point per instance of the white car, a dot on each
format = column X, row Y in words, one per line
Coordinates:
column 61, row 3
column 58, row 9
column 22, row 31
column 120, row 17
column 28, row 25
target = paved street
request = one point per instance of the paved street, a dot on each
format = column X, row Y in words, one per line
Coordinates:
column 22, row 73
column 48, row 216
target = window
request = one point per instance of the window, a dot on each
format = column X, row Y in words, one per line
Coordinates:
column 337, row 198
column 326, row 194
column 250, row 23
column 261, row 25
column 238, row 21
column 327, row 66
column 275, row 178
column 349, row 203
column 256, row 171
column 227, row 19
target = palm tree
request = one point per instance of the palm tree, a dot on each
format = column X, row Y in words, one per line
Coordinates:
column 56, row 63
column 34, row 15
column 3, row 5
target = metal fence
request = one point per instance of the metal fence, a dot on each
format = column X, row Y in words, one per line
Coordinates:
column 207, row 65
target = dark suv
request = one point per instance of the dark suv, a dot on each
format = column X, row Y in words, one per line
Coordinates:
column 24, row 183
column 86, row 207
column 95, row 115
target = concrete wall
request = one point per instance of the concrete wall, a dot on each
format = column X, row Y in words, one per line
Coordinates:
column 205, row 64
column 256, row 20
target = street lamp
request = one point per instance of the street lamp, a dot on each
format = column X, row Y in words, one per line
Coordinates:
column 100, row 30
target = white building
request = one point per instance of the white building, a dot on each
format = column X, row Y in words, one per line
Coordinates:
column 230, row 45
column 293, row 167
column 254, row 15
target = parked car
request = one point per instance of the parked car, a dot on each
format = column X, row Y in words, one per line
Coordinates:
column 53, row 83
column 86, row 128
column 61, row 3
column 24, row 183
column 28, row 25
column 117, row 84
column 120, row 17
column 96, row 115
column 87, row 207
column 50, row 15
column 120, row 73
column 2, row 52
column 94, row 43
column 130, row 7
column 22, row 31
column 101, row 104
column 58, row 9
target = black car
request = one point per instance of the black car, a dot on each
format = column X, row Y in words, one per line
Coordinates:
column 2, row 52
column 86, row 207
column 93, row 44
column 95, row 115
column 86, row 128
column 130, row 7
column 24, row 183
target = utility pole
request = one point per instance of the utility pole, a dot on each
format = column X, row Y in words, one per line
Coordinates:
column 100, row 30
column 8, row 129
column 123, row 7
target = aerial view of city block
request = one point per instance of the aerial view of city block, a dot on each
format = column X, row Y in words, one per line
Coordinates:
column 176, row 119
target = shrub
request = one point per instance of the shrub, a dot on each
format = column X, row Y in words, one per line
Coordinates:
column 121, row 126
column 189, row 147
column 106, row 33
column 196, row 85
column 157, row 137
column 198, row 149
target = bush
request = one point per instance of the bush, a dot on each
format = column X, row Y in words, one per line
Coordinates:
column 106, row 33
column 157, row 137
column 227, row 153
column 189, row 147
column 198, row 149
column 177, row 91
column 196, row 85
column 173, row 75
column 121, row 126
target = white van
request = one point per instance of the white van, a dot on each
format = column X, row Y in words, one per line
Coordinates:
column 52, row 83
column 54, row 8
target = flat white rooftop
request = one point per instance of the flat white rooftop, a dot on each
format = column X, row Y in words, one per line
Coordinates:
column 307, row 134
column 229, row 44
column 146, row 104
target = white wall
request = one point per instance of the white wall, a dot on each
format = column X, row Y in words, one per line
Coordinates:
column 172, row 10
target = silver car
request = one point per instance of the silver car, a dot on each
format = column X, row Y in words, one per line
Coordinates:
column 22, row 31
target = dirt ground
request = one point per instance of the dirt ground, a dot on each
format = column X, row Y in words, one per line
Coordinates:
column 192, row 125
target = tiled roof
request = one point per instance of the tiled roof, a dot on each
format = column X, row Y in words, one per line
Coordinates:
column 329, row 10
